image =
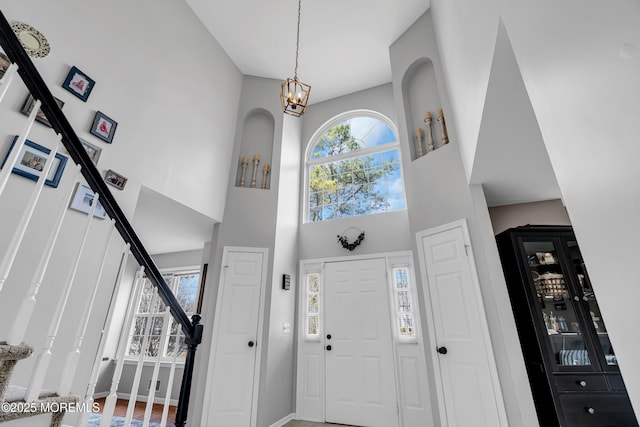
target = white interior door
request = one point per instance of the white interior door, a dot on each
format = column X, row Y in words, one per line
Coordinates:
column 236, row 347
column 469, row 385
column 360, row 387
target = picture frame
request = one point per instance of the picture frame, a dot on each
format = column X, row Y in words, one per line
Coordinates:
column 92, row 150
column 82, row 201
column 78, row 83
column 103, row 127
column 5, row 62
column 115, row 179
column 40, row 117
column 31, row 161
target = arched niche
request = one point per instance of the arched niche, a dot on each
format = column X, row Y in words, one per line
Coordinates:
column 258, row 131
column 421, row 94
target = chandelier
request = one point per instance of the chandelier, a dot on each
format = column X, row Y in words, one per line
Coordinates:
column 295, row 94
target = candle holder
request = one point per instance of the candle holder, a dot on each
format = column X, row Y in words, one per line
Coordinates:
column 427, row 122
column 445, row 137
column 244, row 163
column 256, row 160
column 265, row 172
column 419, row 151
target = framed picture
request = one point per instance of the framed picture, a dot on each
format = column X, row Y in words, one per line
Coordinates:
column 83, row 200
column 93, row 151
column 28, row 107
column 4, row 63
column 31, row 161
column 78, row 83
column 103, row 127
column 115, row 179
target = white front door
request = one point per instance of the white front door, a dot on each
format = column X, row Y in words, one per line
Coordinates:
column 236, row 346
column 360, row 383
column 469, row 385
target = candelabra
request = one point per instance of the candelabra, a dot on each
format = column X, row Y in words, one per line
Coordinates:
column 419, row 151
column 256, row 160
column 427, row 122
column 445, row 137
column 244, row 163
column 265, row 172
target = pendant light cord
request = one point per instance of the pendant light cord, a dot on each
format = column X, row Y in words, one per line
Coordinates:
column 295, row 73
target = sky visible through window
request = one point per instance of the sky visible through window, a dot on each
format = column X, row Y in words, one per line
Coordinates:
column 353, row 183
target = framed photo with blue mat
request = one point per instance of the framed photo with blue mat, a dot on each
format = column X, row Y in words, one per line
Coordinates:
column 31, row 162
column 78, row 83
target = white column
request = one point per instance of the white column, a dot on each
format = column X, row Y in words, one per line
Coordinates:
column 110, row 402
column 69, row 371
column 42, row 362
column 21, row 321
column 14, row 245
column 17, row 147
column 83, row 419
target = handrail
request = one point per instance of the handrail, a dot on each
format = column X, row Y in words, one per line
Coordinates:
column 37, row 87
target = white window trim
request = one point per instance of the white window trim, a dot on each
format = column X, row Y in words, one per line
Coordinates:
column 167, row 318
column 333, row 121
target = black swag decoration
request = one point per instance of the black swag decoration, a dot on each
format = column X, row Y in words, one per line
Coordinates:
column 351, row 246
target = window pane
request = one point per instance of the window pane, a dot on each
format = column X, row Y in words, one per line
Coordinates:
column 135, row 345
column 313, row 325
column 406, row 325
column 187, row 292
column 313, row 282
column 401, row 277
column 404, row 301
column 313, row 304
column 358, row 184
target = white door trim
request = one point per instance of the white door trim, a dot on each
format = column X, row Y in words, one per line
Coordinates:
column 216, row 331
column 493, row 372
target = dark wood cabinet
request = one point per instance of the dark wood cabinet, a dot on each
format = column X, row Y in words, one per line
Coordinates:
column 571, row 364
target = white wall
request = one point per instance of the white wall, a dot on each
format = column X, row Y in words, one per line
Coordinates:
column 153, row 64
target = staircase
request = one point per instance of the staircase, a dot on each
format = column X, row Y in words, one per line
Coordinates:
column 35, row 399
column 12, row 403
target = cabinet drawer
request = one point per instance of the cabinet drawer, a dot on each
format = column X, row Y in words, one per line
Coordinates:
column 597, row 410
column 584, row 382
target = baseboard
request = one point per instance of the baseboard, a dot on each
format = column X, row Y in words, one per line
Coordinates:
column 157, row 400
column 283, row 421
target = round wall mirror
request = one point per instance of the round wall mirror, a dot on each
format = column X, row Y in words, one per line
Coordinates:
column 32, row 40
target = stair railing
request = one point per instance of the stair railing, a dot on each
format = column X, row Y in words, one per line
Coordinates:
column 190, row 328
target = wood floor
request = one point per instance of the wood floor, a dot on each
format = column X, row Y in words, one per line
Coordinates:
column 298, row 423
column 138, row 413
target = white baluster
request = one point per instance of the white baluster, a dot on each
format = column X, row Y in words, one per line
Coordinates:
column 42, row 362
column 136, row 377
column 112, row 398
column 14, row 245
column 69, row 371
column 156, row 369
column 172, row 371
column 17, row 147
column 83, row 419
column 7, row 78
column 19, row 327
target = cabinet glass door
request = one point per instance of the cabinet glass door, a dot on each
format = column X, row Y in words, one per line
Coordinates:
column 556, row 305
column 585, row 292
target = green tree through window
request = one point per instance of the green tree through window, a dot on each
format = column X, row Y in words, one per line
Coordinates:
column 354, row 169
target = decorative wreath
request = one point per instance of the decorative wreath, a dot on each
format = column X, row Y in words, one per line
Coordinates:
column 344, row 241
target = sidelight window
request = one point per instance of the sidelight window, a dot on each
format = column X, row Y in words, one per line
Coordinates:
column 402, row 289
column 313, row 304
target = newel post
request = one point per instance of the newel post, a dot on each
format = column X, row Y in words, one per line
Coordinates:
column 185, row 388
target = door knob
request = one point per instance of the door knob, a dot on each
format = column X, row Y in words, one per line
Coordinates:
column 328, row 348
column 251, row 344
column 442, row 350
column 328, row 336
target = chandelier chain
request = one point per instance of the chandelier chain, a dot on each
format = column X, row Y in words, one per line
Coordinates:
column 295, row 73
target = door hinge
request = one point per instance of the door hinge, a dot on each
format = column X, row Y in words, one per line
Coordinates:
column 466, row 249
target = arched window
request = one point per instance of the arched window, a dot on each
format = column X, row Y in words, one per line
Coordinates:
column 354, row 168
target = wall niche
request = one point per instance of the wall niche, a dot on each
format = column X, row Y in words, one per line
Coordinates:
column 256, row 150
column 423, row 109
